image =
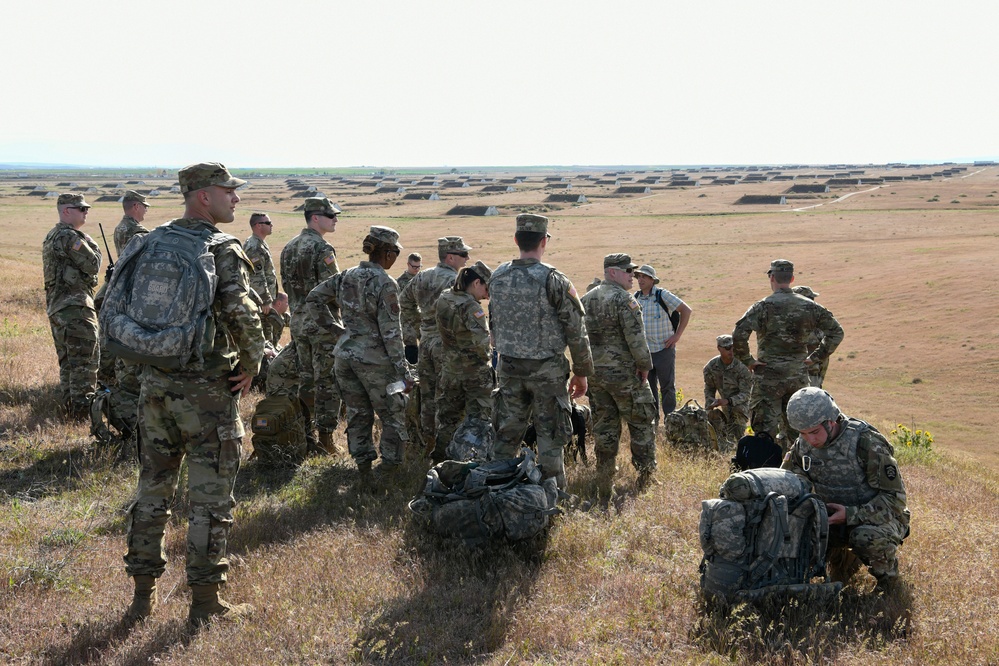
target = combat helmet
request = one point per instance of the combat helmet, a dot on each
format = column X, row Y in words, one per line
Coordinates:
column 809, row 407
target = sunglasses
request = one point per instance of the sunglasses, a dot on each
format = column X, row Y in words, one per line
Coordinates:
column 82, row 209
column 629, row 270
column 268, row 223
column 463, row 255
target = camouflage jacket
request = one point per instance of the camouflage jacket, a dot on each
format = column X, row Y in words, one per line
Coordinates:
column 322, row 309
column 464, row 331
column 306, row 261
column 783, row 322
column 732, row 382
column 419, row 299
column 70, row 262
column 410, row 333
column 126, row 230
column 263, row 279
column 368, row 297
column 617, row 333
column 857, row 469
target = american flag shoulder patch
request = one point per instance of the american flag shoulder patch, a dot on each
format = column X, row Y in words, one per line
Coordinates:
column 633, row 304
column 78, row 244
column 480, row 314
column 329, row 259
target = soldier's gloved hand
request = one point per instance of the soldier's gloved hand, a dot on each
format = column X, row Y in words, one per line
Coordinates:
column 109, row 272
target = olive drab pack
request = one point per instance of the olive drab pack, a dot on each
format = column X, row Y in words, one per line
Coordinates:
column 689, row 428
column 767, row 533
column 107, row 418
column 158, row 306
column 278, row 427
column 479, row 502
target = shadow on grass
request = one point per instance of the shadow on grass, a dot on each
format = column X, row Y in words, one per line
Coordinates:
column 44, row 404
column 94, row 640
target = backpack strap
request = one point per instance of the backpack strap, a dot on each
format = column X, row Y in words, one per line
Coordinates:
column 759, row 568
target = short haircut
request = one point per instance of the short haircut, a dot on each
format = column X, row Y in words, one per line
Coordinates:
column 256, row 217
column 127, row 205
column 415, row 256
column 309, row 214
column 528, row 241
column 782, row 277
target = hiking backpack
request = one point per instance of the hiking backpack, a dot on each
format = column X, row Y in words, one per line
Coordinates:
column 479, row 502
column 158, row 307
column 689, row 428
column 278, row 427
column 767, row 533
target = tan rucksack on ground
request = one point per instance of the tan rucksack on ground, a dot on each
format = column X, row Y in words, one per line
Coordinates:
column 689, row 428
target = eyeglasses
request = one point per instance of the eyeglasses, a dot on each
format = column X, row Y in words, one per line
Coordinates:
column 463, row 255
column 416, row 266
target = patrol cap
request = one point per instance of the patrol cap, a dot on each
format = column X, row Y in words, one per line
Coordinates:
column 724, row 341
column 619, row 260
column 323, row 206
column 483, row 271
column 132, row 195
column 385, row 235
column 648, row 271
column 72, row 200
column 205, row 174
column 805, row 291
column 532, row 222
column 780, row 266
column 452, row 245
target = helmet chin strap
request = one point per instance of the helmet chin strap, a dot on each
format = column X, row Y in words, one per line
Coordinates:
column 830, row 427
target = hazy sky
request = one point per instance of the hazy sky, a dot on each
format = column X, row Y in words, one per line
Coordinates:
column 388, row 83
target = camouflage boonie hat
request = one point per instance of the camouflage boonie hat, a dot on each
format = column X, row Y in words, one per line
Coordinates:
column 483, row 271
column 619, row 260
column 72, row 200
column 780, row 266
column 205, row 174
column 323, row 206
column 532, row 222
column 724, row 341
column 648, row 271
column 132, row 195
column 452, row 245
column 805, row 291
column 385, row 235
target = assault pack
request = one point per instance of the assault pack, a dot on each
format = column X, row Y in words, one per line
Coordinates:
column 766, row 534
column 158, row 306
column 278, row 427
column 755, row 451
column 689, row 428
column 474, row 439
column 479, row 502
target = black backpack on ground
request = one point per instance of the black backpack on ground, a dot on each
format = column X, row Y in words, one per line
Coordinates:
column 755, row 451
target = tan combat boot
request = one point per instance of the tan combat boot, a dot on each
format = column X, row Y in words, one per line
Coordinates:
column 206, row 604
column 327, row 445
column 143, row 600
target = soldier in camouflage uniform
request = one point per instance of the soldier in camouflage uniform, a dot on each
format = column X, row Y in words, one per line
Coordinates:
column 783, row 323
column 534, row 313
column 727, row 386
column 369, row 353
column 264, row 278
column 419, row 307
column 411, row 339
column 135, row 207
column 193, row 412
column 466, row 383
column 852, row 468
column 306, row 261
column 70, row 260
column 816, row 371
column 282, row 373
column 619, row 387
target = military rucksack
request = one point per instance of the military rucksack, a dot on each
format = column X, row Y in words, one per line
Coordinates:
column 158, row 307
column 278, row 427
column 474, row 439
column 107, row 420
column 689, row 428
column 767, row 533
column 755, row 451
column 478, row 502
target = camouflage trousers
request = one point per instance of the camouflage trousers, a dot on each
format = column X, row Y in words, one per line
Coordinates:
column 460, row 393
column 362, row 387
column 74, row 331
column 773, row 386
column 128, row 390
column 282, row 373
column 534, row 389
column 729, row 425
column 429, row 368
column 413, row 423
column 306, row 372
column 327, row 413
column 273, row 325
column 632, row 401
column 197, row 418
column 874, row 545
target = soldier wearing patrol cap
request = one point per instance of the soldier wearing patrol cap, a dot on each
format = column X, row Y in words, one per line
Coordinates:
column 534, row 313
column 419, row 308
column 71, row 260
column 816, row 371
column 264, row 277
column 192, row 412
column 306, row 261
column 135, row 207
column 727, row 386
column 619, row 387
column 852, row 468
column 783, row 323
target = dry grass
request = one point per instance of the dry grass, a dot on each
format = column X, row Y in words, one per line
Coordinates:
column 338, row 576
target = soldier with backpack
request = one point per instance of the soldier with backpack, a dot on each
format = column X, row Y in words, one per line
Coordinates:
column 179, row 304
column 852, row 468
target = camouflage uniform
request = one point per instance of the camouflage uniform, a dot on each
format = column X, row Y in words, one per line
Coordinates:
column 734, row 382
column 192, row 412
column 263, row 280
column 126, row 230
column 282, row 373
column 466, row 383
column 306, row 261
column 411, row 338
column 616, row 392
column 71, row 260
column 534, row 313
column 370, row 357
column 858, row 470
column 783, row 322
column 816, row 371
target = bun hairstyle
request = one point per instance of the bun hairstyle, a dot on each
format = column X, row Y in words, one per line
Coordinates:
column 466, row 276
column 373, row 246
